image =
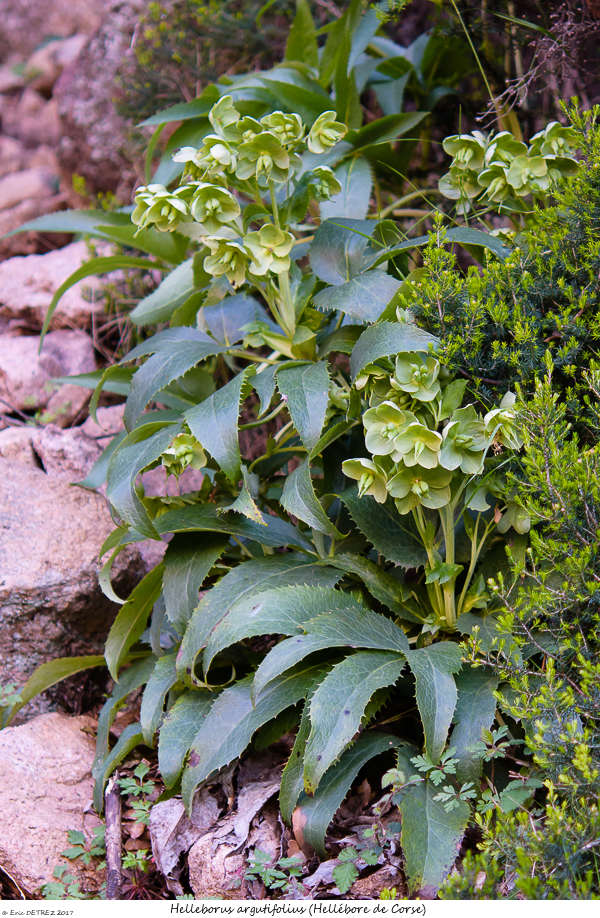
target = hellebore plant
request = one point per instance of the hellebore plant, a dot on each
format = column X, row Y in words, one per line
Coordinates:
column 432, row 458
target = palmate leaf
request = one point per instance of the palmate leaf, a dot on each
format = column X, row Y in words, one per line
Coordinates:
column 351, row 625
column 338, row 706
column 313, row 814
column 162, row 680
column 386, row 339
column 306, row 392
column 431, row 837
column 433, row 669
column 283, row 610
column 475, row 711
column 392, row 535
column 178, row 730
column 298, row 498
column 188, row 560
column 227, row 318
column 214, row 423
column 239, row 584
column 363, row 298
column 232, row 721
column 131, row 620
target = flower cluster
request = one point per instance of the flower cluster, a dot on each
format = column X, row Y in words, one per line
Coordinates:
column 498, row 169
column 184, row 452
column 423, row 445
column 251, row 156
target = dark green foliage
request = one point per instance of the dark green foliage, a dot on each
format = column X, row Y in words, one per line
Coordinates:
column 497, row 325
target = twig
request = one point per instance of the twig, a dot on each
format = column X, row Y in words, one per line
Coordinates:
column 112, row 809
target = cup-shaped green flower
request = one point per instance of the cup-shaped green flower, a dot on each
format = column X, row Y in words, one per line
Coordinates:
column 184, row 452
column 213, row 206
column 224, row 118
column 417, row 375
column 249, row 127
column 288, row 128
column 465, row 441
column 370, row 476
column 494, row 181
column 459, row 183
column 383, row 423
column 501, row 424
column 514, row 516
column 325, row 133
column 555, row 139
column 468, row 150
column 227, row 257
column 369, row 374
column 264, row 158
column 156, row 206
column 527, row 174
column 503, row 148
column 416, row 487
column 323, row 183
column 269, row 249
column 417, row 445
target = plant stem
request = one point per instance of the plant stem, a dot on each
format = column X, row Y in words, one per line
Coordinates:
column 447, row 520
column 286, row 306
column 422, row 530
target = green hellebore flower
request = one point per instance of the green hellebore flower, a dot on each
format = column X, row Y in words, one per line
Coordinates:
column 417, row 445
column 527, row 173
column 249, row 128
column 495, row 183
column 264, row 157
column 369, row 373
column 555, row 139
column 213, row 206
column 323, row 183
column 392, row 431
column 501, row 423
column 269, row 248
column 417, row 375
column 215, row 156
column 224, row 118
column 227, row 257
column 468, row 150
column 184, row 452
column 503, row 148
column 156, row 206
column 465, row 441
column 288, row 128
column 325, row 133
column 514, row 516
column 414, row 487
column 459, row 183
column 371, row 478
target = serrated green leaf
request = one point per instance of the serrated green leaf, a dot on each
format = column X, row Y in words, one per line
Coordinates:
column 342, row 340
column 162, row 368
column 315, row 813
column 380, row 584
column 227, row 318
column 131, row 737
column 214, row 423
column 171, row 293
column 433, row 669
column 338, row 251
column 188, row 560
column 135, row 453
column 332, row 434
column 162, row 680
column 338, row 706
column 363, row 298
column 344, row 875
column 263, row 384
column 241, row 584
column 232, row 721
column 306, row 392
column 357, row 626
column 178, row 730
column 353, row 200
column 475, row 712
column 431, row 837
column 48, row 674
column 390, row 534
column 292, row 777
column 284, row 610
column 205, row 518
column 387, row 339
column 298, row 498
column 302, row 38
column 244, row 502
column 285, row 655
column 94, row 266
column 131, row 620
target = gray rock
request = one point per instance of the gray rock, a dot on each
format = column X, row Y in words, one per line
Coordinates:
column 27, row 284
column 31, row 183
column 32, row 119
column 46, row 64
column 14, row 217
column 25, row 25
column 95, row 141
column 15, row 445
column 25, row 375
column 45, row 788
column 12, row 155
column 51, row 604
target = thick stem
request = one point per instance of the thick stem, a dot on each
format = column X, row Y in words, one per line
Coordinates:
column 287, row 313
column 447, row 518
column 429, row 548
